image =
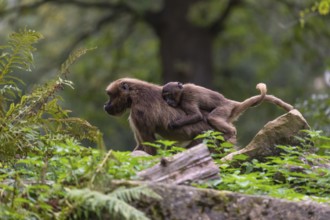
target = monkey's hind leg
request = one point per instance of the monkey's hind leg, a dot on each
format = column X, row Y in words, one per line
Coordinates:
column 220, row 124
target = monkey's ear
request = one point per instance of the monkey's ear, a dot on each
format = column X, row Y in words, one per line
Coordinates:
column 125, row 86
column 180, row 85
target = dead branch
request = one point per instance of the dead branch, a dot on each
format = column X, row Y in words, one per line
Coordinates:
column 191, row 165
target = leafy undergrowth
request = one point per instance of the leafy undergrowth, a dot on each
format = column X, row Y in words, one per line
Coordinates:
column 299, row 173
column 46, row 173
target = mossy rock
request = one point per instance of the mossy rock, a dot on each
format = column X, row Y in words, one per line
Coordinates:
column 184, row 202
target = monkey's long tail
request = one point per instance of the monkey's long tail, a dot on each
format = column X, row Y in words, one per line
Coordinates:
column 250, row 102
column 279, row 102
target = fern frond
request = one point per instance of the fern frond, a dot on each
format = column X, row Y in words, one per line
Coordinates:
column 10, row 90
column 27, row 124
column 95, row 201
column 130, row 194
column 79, row 129
column 71, row 59
column 17, row 54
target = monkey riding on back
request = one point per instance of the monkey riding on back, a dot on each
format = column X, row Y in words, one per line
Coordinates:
column 192, row 99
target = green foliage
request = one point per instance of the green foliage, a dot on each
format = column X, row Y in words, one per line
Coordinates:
column 205, row 13
column 165, row 148
column 61, row 183
column 3, row 5
column 321, row 7
column 216, row 143
column 17, row 54
column 316, row 109
column 124, row 166
column 115, row 203
column 33, row 187
column 324, row 7
column 299, row 173
column 36, row 119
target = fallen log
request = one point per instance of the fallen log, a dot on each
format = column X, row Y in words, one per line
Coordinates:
column 191, row 165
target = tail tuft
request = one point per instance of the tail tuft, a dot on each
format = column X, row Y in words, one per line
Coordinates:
column 262, row 88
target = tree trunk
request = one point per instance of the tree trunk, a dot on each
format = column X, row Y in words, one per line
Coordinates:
column 185, row 49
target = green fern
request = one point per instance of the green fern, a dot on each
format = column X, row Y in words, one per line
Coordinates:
column 71, row 60
column 37, row 119
column 17, row 54
column 116, row 203
column 130, row 194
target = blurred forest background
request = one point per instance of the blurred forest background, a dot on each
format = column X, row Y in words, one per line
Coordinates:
column 227, row 45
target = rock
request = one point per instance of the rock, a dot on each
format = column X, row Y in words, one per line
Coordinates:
column 184, row 202
column 139, row 153
column 281, row 131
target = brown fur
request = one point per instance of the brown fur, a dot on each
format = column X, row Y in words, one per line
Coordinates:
column 223, row 112
column 149, row 113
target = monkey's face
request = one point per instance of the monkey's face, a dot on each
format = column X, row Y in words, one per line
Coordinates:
column 171, row 93
column 119, row 98
column 169, row 99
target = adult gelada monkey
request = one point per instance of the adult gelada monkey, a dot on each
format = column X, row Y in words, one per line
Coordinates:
column 223, row 112
column 149, row 113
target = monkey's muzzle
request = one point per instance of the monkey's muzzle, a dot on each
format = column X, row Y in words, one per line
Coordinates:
column 114, row 110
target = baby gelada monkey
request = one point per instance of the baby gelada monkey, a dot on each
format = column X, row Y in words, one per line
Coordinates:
column 222, row 111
